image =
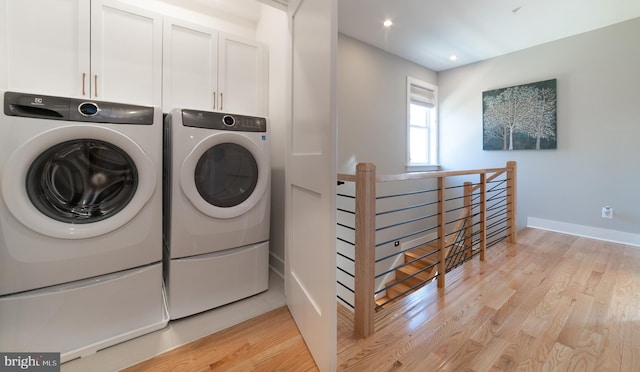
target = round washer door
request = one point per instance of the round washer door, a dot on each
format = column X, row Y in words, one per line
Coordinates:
column 225, row 175
column 76, row 182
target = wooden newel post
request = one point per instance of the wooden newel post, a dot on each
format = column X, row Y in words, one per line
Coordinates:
column 512, row 223
column 364, row 307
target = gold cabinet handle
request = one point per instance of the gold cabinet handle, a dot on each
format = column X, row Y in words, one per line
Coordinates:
column 84, row 76
column 95, row 85
column 215, row 98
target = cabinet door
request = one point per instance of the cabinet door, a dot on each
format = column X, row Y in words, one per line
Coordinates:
column 190, row 65
column 241, row 76
column 46, row 46
column 126, row 53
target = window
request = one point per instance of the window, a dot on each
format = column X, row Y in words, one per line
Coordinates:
column 422, row 130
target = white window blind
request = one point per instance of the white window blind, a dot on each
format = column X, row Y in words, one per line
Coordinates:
column 423, row 95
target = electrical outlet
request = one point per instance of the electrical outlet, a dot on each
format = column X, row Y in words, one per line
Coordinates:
column 607, row 212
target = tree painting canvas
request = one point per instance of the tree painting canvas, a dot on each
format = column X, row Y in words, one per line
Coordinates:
column 521, row 117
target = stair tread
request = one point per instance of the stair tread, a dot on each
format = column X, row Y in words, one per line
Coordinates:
column 427, row 260
column 417, row 267
column 420, row 271
column 414, row 281
column 398, row 287
column 398, row 290
column 382, row 300
column 425, row 248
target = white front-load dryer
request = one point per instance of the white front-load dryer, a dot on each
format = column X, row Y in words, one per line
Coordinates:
column 80, row 223
column 217, row 191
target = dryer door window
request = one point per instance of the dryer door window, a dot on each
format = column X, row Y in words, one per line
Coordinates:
column 82, row 181
column 226, row 175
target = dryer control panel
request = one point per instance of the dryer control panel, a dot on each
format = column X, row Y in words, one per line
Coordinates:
column 222, row 121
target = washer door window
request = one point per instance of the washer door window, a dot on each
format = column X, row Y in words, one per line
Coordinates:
column 82, row 181
column 225, row 175
column 78, row 181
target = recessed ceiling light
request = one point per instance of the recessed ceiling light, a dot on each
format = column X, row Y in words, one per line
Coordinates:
column 453, row 58
column 387, row 23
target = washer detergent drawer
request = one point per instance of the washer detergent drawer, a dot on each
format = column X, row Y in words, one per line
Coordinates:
column 203, row 282
column 80, row 318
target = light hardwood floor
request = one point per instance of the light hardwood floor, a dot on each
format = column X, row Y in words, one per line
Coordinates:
column 269, row 342
column 552, row 302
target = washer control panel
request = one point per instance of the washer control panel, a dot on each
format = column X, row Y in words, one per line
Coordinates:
column 73, row 109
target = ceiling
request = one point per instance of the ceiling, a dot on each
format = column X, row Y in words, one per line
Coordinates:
column 247, row 9
column 428, row 32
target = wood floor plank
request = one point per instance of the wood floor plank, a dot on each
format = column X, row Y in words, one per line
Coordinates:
column 514, row 354
column 511, row 317
column 489, row 354
column 558, row 359
column 457, row 336
column 269, row 342
column 551, row 302
column 545, row 341
column 557, row 298
column 447, row 320
column 631, row 346
column 571, row 334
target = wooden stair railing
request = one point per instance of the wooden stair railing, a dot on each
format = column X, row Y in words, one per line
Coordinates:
column 420, row 264
column 365, row 181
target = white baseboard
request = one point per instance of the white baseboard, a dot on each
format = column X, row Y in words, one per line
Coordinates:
column 585, row 231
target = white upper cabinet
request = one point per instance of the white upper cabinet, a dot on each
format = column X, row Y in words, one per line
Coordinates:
column 98, row 49
column 241, row 76
column 46, row 45
column 190, row 66
column 209, row 70
column 112, row 51
column 126, row 53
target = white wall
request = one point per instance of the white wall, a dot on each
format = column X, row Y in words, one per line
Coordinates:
column 596, row 163
column 372, row 111
column 273, row 31
column 372, row 106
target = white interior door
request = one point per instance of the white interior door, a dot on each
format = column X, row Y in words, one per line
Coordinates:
column 311, row 177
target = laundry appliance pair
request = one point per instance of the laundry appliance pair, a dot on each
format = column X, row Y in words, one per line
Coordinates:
column 80, row 224
column 217, row 206
column 81, row 219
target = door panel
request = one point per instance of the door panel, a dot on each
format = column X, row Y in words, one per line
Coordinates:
column 311, row 178
column 47, row 45
column 190, row 66
column 240, row 79
column 126, row 54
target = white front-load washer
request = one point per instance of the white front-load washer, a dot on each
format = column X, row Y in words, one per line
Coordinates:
column 217, row 189
column 80, row 223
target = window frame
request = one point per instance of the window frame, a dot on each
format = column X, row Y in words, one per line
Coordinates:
column 432, row 160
